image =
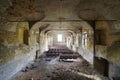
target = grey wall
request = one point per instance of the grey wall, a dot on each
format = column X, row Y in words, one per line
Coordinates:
column 12, row 67
column 114, row 70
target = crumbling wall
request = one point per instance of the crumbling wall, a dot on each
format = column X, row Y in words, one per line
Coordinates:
column 109, row 49
column 86, row 48
column 7, row 42
column 18, row 61
column 14, row 53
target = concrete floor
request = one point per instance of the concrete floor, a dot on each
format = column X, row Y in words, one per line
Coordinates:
column 50, row 68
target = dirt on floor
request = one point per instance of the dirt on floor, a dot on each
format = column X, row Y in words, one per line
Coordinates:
column 50, row 68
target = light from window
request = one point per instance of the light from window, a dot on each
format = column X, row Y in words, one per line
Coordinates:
column 59, row 37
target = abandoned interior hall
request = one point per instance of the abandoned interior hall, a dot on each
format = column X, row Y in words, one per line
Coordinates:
column 59, row 39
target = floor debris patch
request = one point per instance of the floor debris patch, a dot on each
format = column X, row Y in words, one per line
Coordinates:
column 51, row 68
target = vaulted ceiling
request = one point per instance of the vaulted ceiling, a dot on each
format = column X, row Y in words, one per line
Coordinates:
column 56, row 9
column 52, row 10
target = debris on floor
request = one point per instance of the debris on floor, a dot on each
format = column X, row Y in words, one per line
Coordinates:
column 57, row 70
column 59, row 65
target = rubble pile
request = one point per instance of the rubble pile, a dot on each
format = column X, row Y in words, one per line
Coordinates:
column 53, row 69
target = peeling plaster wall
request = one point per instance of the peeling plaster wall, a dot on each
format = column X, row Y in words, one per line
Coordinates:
column 87, row 54
column 110, row 49
column 9, row 41
column 14, row 53
column 13, row 66
column 86, row 50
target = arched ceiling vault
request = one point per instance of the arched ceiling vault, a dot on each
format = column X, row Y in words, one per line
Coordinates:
column 23, row 10
column 37, row 10
column 61, row 26
column 67, row 33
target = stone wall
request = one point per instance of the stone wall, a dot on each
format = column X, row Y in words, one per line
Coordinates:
column 110, row 48
column 86, row 47
column 10, row 40
column 114, row 70
column 16, row 64
column 14, row 53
